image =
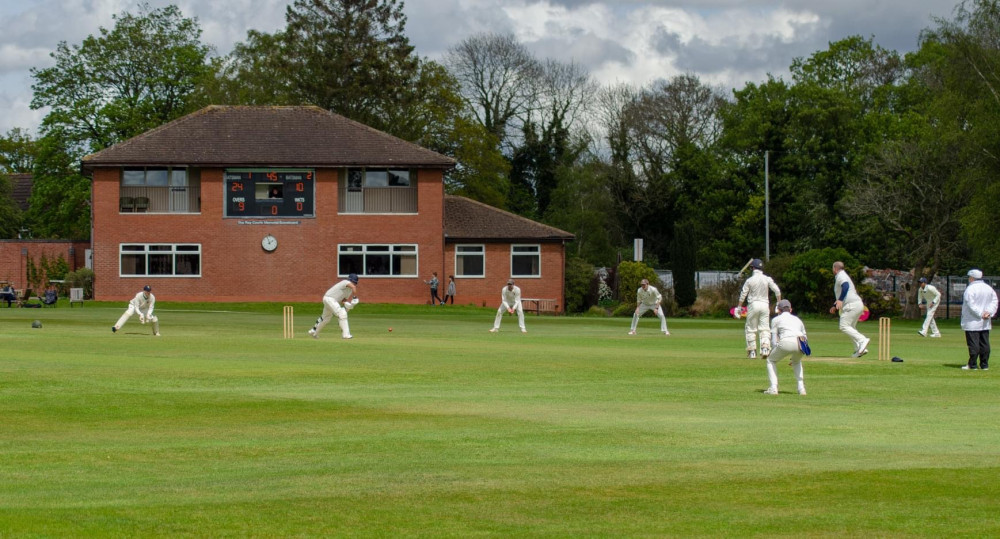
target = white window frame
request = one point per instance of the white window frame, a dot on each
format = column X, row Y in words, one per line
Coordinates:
column 537, row 253
column 378, row 249
column 160, row 249
column 458, row 256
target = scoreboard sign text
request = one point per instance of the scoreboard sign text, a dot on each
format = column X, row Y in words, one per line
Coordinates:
column 270, row 192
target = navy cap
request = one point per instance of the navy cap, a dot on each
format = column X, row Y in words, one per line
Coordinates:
column 353, row 278
column 923, row 279
column 146, row 288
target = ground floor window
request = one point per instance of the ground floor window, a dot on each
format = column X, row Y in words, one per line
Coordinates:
column 525, row 261
column 377, row 260
column 159, row 259
column 470, row 261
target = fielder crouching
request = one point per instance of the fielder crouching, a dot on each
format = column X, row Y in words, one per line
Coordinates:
column 787, row 331
column 142, row 304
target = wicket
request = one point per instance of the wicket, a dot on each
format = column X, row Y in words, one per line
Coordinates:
column 289, row 318
column 884, row 338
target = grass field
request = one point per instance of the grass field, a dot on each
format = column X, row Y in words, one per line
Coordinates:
column 222, row 428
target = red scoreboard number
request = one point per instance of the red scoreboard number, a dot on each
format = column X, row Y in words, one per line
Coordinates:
column 269, row 193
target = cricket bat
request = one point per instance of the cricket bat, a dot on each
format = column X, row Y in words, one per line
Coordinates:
column 745, row 266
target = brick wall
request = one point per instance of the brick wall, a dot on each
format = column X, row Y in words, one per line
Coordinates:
column 14, row 255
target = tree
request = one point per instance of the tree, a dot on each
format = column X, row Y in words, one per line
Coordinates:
column 10, row 214
column 498, row 78
column 17, row 152
column 60, row 195
column 136, row 76
column 684, row 263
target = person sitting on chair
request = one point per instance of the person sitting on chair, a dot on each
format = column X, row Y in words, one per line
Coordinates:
column 51, row 296
column 7, row 294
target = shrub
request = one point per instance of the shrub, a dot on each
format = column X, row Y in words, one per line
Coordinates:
column 82, row 278
column 596, row 311
column 683, row 257
column 808, row 283
column 716, row 300
column 579, row 275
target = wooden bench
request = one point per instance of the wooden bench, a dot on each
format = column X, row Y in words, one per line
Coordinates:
column 539, row 304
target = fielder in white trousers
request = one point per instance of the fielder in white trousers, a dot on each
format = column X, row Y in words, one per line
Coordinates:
column 786, row 329
column 510, row 302
column 929, row 295
column 336, row 303
column 142, row 304
column 648, row 298
column 758, row 322
column 850, row 306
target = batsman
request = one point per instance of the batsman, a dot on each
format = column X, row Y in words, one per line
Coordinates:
column 758, row 323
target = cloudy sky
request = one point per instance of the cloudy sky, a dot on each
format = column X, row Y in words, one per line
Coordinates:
column 724, row 42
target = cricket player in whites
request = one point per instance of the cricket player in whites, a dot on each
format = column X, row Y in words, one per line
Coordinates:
column 754, row 292
column 510, row 301
column 648, row 297
column 142, row 303
column 337, row 301
column 850, row 306
column 929, row 294
column 787, row 331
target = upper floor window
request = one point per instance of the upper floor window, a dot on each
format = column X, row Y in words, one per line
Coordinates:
column 160, row 190
column 378, row 190
column 525, row 261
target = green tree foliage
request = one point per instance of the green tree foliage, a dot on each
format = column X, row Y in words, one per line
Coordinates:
column 60, row 195
column 579, row 277
column 125, row 81
column 17, row 152
column 684, row 263
column 481, row 170
column 10, row 213
column 582, row 204
column 808, row 282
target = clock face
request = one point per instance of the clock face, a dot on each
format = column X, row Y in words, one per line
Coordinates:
column 269, row 243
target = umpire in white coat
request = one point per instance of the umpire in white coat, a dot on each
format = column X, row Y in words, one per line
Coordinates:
column 754, row 292
column 647, row 298
column 143, row 304
column 510, row 302
column 979, row 306
column 929, row 295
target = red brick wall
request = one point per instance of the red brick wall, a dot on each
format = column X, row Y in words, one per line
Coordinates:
column 304, row 266
column 485, row 291
column 14, row 255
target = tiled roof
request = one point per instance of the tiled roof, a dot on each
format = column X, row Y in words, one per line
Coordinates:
column 21, row 189
column 266, row 136
column 466, row 220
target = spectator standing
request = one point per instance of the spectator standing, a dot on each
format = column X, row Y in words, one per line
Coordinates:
column 979, row 306
column 929, row 295
column 449, row 293
column 434, row 289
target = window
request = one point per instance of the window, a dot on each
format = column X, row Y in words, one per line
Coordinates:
column 470, row 260
column 377, row 260
column 157, row 259
column 377, row 191
column 525, row 261
column 160, row 190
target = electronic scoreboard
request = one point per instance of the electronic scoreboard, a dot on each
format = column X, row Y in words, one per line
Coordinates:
column 270, row 192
